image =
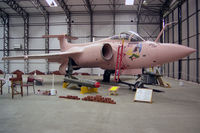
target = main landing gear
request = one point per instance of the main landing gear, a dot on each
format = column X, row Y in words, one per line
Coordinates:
column 106, row 75
column 106, row 78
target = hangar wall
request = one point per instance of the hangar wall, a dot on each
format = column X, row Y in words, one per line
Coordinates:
column 186, row 33
column 149, row 27
column 102, row 27
column 1, row 45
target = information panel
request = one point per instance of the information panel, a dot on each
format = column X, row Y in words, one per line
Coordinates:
column 143, row 95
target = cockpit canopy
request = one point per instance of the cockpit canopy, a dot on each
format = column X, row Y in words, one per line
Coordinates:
column 130, row 35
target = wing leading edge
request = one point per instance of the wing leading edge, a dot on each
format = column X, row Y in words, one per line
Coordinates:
column 51, row 57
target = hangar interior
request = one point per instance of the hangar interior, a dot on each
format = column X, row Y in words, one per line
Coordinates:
column 93, row 21
column 99, row 19
column 24, row 22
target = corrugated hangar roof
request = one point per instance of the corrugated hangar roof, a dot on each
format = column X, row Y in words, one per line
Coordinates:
column 84, row 6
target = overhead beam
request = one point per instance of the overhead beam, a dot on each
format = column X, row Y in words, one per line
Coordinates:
column 99, row 12
column 152, row 10
column 197, row 41
column 40, row 7
column 64, row 7
column 168, row 65
column 161, row 26
column 45, row 13
column 3, row 14
column 167, row 9
column 89, row 7
column 46, row 20
column 188, row 39
column 166, row 6
column 161, row 1
column 139, row 9
column 173, row 64
column 13, row 4
column 114, row 14
column 179, row 39
column 5, row 19
column 100, row 4
column 162, row 39
column 68, row 14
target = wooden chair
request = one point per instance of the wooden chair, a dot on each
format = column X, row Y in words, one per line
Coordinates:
column 7, row 81
column 14, row 82
column 30, row 82
column 2, row 82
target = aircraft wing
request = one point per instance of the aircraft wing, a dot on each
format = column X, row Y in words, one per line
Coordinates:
column 52, row 57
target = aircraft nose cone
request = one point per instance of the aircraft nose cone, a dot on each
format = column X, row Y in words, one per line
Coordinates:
column 172, row 52
column 180, row 51
column 190, row 50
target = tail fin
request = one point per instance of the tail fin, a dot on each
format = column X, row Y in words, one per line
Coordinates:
column 161, row 32
column 61, row 38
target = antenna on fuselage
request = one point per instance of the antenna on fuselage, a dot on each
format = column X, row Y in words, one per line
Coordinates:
column 161, row 32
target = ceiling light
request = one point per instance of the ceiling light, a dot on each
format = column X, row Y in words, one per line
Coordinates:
column 145, row 2
column 51, row 3
column 129, row 2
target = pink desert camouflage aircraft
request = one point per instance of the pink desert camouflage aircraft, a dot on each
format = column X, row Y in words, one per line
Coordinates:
column 137, row 53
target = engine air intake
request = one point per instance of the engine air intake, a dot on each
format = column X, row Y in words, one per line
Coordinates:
column 107, row 51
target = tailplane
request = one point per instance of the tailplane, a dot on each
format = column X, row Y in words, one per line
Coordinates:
column 63, row 43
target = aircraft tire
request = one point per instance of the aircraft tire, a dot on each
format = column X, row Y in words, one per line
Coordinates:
column 139, row 84
column 106, row 75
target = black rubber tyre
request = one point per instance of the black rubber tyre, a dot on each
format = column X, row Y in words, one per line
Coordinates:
column 139, row 84
column 106, row 75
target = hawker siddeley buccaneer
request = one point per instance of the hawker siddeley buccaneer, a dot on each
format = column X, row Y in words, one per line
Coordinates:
column 137, row 53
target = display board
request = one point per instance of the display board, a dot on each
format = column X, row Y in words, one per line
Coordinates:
column 143, row 95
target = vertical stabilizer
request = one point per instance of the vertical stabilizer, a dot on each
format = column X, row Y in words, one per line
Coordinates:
column 64, row 45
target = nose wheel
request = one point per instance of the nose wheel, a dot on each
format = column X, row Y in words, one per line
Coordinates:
column 133, row 87
column 139, row 84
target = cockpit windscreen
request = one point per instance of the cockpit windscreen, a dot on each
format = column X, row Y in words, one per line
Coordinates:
column 131, row 36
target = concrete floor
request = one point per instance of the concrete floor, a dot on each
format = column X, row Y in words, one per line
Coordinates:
column 177, row 110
